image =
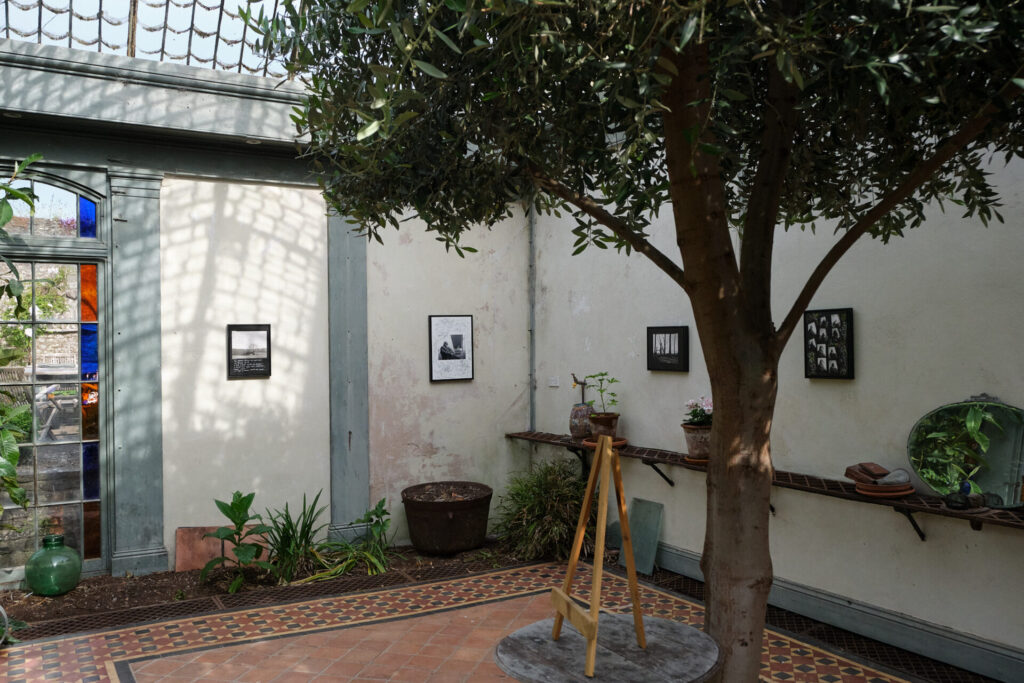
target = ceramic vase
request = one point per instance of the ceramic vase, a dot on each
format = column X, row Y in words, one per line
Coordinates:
column 579, row 420
column 698, row 441
column 54, row 569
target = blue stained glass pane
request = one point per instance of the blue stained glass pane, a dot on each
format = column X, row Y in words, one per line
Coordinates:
column 90, row 351
column 86, row 217
column 91, row 470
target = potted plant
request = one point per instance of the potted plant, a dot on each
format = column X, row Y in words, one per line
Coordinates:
column 603, row 421
column 697, row 428
column 948, row 446
column 447, row 517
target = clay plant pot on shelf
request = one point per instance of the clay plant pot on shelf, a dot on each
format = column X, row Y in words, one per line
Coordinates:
column 447, row 517
column 603, row 423
column 697, row 429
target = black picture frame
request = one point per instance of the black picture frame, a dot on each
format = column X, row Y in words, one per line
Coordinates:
column 248, row 349
column 668, row 349
column 450, row 340
column 828, row 343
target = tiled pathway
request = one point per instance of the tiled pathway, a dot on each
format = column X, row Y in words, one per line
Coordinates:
column 438, row 631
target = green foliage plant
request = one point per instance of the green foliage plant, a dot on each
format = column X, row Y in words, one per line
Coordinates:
column 13, row 420
column 13, row 286
column 949, row 446
column 291, row 541
column 603, row 382
column 370, row 551
column 242, row 536
column 540, row 510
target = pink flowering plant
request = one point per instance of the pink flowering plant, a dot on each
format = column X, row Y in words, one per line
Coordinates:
column 698, row 412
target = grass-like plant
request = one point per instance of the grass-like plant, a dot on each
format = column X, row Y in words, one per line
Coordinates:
column 291, row 541
column 369, row 551
column 539, row 512
column 246, row 552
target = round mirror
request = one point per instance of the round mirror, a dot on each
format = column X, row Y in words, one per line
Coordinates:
column 971, row 447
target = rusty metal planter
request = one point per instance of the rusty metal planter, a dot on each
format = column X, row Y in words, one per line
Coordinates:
column 448, row 526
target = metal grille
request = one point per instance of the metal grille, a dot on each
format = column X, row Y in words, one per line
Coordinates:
column 208, row 34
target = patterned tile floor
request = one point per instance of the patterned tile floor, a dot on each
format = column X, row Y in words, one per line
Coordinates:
column 439, row 631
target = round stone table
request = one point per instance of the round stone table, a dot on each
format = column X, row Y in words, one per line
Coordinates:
column 675, row 652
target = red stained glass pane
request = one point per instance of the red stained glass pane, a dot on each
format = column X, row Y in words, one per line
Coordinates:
column 88, row 293
column 90, row 411
column 92, row 536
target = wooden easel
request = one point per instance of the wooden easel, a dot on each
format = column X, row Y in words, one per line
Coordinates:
column 606, row 465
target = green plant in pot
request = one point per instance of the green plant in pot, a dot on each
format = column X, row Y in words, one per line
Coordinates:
column 948, row 447
column 697, row 428
column 603, row 421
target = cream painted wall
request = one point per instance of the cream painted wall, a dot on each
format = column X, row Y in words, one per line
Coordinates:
column 937, row 318
column 241, row 253
column 422, row 431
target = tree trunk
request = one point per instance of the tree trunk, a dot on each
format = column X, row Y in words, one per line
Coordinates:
column 736, row 561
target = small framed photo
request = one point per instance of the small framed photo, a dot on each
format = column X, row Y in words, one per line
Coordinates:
column 451, row 347
column 248, row 351
column 668, row 348
column 828, row 344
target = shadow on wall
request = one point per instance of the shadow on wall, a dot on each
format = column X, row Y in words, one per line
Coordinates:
column 241, row 253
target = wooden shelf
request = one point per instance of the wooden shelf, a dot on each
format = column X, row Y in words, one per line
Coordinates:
column 931, row 505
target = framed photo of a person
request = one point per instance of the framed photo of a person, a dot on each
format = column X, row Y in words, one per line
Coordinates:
column 451, row 347
column 828, row 344
column 668, row 348
column 248, row 351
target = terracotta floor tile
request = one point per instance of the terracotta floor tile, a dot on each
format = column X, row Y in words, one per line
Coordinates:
column 427, row 662
column 158, row 667
column 410, row 675
column 313, row 665
column 227, row 671
column 343, row 669
column 292, row 677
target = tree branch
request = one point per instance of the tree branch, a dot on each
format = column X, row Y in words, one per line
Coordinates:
column 619, row 227
column 968, row 132
column 780, row 122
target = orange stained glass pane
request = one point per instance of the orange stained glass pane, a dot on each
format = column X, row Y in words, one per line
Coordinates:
column 88, row 293
column 90, row 411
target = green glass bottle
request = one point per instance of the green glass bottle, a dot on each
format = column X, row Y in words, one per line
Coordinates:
column 54, row 569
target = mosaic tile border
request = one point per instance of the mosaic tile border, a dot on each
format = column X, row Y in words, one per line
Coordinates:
column 105, row 656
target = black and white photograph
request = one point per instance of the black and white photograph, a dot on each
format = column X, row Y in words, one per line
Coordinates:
column 451, row 347
column 248, row 351
column 668, row 349
column 828, row 347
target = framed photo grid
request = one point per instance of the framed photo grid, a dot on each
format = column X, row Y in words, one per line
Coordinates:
column 248, row 351
column 828, row 344
column 451, row 347
column 668, row 348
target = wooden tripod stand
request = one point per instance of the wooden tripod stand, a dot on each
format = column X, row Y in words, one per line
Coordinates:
column 606, row 465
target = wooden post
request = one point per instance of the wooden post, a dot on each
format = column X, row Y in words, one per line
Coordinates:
column 606, row 466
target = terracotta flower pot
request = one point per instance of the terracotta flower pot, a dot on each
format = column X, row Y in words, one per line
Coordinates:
column 603, row 423
column 698, row 441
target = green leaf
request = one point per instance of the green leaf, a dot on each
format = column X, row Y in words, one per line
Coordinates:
column 210, row 565
column 447, row 41
column 247, row 552
column 224, row 533
column 6, row 212
column 368, row 130
column 1019, row 82
column 429, row 69
column 689, row 27
column 236, row 584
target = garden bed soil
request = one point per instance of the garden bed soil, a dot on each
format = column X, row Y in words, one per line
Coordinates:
column 99, row 594
column 446, row 491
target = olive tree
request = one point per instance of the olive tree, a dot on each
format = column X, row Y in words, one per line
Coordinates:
column 743, row 117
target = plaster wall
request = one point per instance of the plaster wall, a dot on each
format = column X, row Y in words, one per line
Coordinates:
column 242, row 253
column 935, row 322
column 422, row 431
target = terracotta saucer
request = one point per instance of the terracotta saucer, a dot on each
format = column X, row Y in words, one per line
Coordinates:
column 695, row 461
column 878, row 491
column 616, row 443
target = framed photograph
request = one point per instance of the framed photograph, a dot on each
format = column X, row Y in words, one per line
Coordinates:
column 451, row 347
column 248, row 351
column 668, row 348
column 828, row 344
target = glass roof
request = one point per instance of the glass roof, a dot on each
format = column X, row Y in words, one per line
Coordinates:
column 208, row 34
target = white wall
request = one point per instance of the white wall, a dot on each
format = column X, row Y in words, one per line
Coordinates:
column 241, row 253
column 937, row 318
column 422, row 431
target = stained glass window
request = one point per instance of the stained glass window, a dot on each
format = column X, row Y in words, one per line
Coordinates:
column 58, row 213
column 49, row 370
